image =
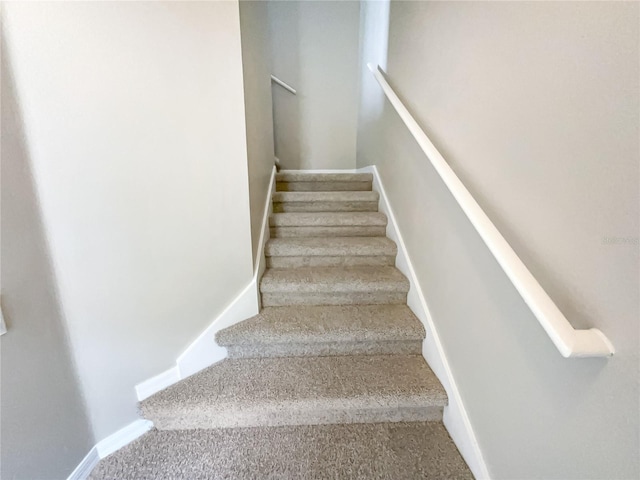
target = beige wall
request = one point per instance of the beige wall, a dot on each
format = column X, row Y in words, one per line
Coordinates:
column 314, row 48
column 256, row 65
column 535, row 105
column 44, row 428
column 135, row 129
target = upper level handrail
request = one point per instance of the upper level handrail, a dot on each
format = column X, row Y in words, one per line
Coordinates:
column 3, row 325
column 284, row 85
column 569, row 341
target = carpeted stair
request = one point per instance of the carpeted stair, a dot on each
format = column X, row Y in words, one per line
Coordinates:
column 316, row 330
column 335, row 201
column 302, row 390
column 328, row 381
column 390, row 451
column 330, row 252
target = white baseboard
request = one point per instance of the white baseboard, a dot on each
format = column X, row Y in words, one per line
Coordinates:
column 159, row 382
column 204, row 351
column 265, row 234
column 456, row 419
column 107, row 446
column 123, row 437
column 86, row 466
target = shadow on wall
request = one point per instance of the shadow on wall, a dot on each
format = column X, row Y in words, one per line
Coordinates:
column 45, row 428
column 374, row 46
column 286, row 106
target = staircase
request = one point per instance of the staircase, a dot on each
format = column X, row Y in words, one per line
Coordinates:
column 328, row 380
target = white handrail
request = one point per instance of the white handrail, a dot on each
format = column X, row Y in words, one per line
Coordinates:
column 3, row 325
column 284, row 85
column 569, row 341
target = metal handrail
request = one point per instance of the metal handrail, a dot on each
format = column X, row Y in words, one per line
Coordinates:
column 284, row 85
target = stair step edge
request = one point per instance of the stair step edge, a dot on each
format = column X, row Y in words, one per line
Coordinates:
column 291, row 177
column 325, row 219
column 321, row 349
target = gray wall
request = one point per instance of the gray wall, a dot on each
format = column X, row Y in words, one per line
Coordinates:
column 256, row 66
column 134, row 123
column 45, row 430
column 314, row 48
column 535, row 106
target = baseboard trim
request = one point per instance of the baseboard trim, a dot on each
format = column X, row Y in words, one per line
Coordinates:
column 108, row 445
column 86, row 466
column 455, row 419
column 265, row 234
column 159, row 382
column 204, row 351
column 123, row 437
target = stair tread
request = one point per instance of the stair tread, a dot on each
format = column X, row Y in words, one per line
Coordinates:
column 321, row 219
column 323, row 177
column 330, row 246
column 306, row 383
column 399, row 451
column 323, row 324
column 337, row 196
column 334, row 279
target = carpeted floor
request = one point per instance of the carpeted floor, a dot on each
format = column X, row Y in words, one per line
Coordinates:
column 393, row 451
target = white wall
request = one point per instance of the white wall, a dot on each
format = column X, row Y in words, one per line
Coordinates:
column 256, row 65
column 135, row 128
column 314, row 48
column 535, row 105
column 44, row 428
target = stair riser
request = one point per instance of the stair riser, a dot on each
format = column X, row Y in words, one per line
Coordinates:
column 323, row 186
column 280, row 299
column 359, row 231
column 399, row 347
column 329, row 261
column 283, row 414
column 331, row 247
column 328, row 219
column 284, row 207
column 302, row 176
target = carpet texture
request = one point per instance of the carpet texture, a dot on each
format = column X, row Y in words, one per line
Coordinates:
column 325, row 330
column 334, row 280
column 298, row 247
column 330, row 252
column 300, row 390
column 323, row 182
column 308, row 177
column 328, row 231
column 361, row 285
column 392, row 451
column 325, row 201
column 327, row 219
